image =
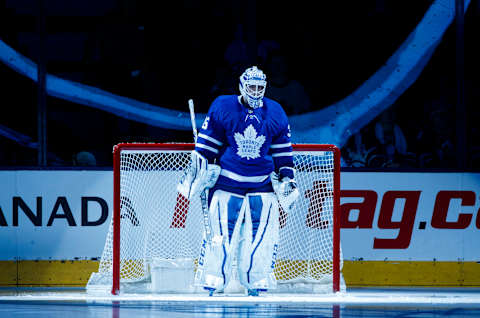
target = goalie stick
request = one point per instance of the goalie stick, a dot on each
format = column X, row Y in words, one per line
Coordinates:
column 192, row 119
column 204, row 193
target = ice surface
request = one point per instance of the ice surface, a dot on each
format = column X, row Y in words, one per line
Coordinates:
column 352, row 296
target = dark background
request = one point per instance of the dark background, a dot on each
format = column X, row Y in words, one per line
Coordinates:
column 165, row 52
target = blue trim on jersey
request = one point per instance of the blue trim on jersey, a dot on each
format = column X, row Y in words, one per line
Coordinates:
column 204, row 141
column 286, row 161
column 258, row 244
column 279, row 150
column 284, row 145
column 240, row 178
column 266, row 188
column 207, row 154
column 203, row 146
column 210, row 139
column 282, row 154
column 286, row 172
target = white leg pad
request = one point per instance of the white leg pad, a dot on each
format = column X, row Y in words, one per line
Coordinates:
column 258, row 250
column 215, row 267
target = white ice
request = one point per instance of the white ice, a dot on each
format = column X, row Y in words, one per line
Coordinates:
column 460, row 297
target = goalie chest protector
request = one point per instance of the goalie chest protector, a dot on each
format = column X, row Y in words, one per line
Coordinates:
column 240, row 138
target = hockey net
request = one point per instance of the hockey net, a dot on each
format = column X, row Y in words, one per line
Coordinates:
column 153, row 223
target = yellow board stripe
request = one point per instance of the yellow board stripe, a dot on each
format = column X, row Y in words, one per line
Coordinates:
column 355, row 273
column 8, row 273
column 414, row 273
column 46, row 273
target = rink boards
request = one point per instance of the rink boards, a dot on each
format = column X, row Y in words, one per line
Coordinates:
column 398, row 229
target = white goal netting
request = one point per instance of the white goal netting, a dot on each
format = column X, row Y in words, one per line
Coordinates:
column 156, row 222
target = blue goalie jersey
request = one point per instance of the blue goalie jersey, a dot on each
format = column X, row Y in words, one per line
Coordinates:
column 247, row 143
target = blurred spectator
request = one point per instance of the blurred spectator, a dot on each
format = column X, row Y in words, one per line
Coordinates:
column 475, row 150
column 362, row 151
column 435, row 141
column 392, row 141
column 381, row 144
column 304, row 59
column 84, row 158
column 226, row 80
column 236, row 51
column 265, row 48
column 474, row 135
column 354, row 153
column 289, row 92
column 236, row 60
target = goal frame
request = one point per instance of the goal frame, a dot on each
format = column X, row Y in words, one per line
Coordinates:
column 189, row 147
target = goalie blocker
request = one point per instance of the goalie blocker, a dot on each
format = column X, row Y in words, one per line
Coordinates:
column 198, row 177
column 286, row 191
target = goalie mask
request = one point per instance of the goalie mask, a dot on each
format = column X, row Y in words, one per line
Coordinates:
column 252, row 86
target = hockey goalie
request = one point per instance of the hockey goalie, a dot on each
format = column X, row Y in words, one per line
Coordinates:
column 242, row 167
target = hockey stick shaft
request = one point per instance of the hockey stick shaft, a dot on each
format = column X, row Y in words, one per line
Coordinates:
column 204, row 193
column 192, row 119
column 206, row 215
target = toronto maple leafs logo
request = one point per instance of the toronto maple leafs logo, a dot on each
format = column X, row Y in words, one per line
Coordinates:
column 249, row 144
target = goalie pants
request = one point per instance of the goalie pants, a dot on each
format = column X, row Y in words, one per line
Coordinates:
column 245, row 236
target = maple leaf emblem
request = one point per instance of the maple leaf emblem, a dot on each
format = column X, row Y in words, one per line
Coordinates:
column 249, row 144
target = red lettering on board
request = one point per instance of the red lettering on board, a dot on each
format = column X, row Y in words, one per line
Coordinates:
column 440, row 211
column 478, row 219
column 317, row 197
column 366, row 209
column 405, row 225
column 180, row 213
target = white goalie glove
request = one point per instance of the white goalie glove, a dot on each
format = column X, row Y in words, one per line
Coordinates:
column 286, row 191
column 198, row 177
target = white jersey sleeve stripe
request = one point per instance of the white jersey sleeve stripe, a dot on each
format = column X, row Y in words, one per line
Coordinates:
column 275, row 146
column 283, row 154
column 240, row 178
column 206, row 137
column 206, row 147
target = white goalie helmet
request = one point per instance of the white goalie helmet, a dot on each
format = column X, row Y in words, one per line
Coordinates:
column 252, row 86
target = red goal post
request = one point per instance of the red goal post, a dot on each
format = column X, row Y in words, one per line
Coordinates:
column 332, row 173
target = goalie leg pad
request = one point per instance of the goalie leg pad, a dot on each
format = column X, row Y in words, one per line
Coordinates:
column 259, row 243
column 215, row 267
